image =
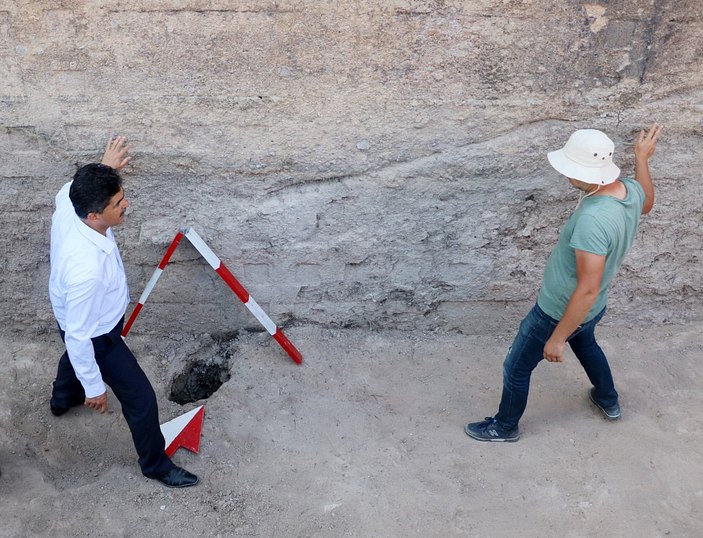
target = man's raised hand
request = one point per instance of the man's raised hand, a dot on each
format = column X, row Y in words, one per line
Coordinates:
column 115, row 155
column 646, row 142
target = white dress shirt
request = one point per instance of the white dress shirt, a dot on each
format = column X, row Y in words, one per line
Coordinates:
column 87, row 287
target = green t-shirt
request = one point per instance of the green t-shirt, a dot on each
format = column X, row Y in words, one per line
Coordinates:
column 601, row 225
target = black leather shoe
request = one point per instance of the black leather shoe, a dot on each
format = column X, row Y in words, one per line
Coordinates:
column 57, row 411
column 177, row 478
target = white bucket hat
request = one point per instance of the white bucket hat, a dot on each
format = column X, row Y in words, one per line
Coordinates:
column 587, row 156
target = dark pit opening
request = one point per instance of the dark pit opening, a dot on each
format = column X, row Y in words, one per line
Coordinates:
column 198, row 382
column 203, row 373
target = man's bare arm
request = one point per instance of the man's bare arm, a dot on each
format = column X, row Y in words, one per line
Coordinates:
column 589, row 271
column 644, row 149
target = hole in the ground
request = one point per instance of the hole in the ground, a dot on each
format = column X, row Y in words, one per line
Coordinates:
column 203, row 374
column 198, row 381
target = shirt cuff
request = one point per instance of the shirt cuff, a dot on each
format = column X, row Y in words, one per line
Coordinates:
column 94, row 389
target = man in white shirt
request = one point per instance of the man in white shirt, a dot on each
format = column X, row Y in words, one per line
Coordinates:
column 89, row 296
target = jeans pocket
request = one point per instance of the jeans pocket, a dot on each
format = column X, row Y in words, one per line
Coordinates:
column 537, row 326
column 576, row 332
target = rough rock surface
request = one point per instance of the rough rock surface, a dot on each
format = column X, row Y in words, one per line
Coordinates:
column 359, row 165
column 354, row 163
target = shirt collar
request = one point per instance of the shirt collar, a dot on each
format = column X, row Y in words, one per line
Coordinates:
column 105, row 243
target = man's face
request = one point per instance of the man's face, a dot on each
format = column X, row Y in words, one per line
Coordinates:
column 113, row 214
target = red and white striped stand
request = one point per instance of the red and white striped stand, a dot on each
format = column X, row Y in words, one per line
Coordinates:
column 152, row 282
column 229, row 279
column 243, row 294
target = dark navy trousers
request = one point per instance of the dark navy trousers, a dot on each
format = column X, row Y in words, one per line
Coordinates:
column 121, row 371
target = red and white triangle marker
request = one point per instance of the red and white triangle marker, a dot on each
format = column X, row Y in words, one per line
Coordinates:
column 184, row 431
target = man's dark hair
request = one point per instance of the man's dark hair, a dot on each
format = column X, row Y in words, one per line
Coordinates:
column 92, row 188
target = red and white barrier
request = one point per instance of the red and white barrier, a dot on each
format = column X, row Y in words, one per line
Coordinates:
column 152, row 282
column 243, row 294
column 239, row 290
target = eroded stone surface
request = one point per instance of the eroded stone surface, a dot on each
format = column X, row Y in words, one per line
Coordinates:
column 353, row 163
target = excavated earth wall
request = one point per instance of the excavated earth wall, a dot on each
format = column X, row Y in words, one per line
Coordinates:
column 354, row 163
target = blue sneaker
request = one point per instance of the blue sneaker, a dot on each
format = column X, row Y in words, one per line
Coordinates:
column 488, row 430
column 611, row 413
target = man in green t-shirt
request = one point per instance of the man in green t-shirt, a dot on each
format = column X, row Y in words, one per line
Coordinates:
column 591, row 247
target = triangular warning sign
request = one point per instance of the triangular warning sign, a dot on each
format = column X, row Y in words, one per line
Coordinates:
column 184, row 431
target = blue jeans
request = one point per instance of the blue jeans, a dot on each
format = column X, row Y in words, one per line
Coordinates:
column 527, row 352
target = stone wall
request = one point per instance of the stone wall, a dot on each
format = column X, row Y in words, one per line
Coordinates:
column 356, row 163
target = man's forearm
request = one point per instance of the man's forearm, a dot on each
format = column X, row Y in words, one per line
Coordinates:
column 644, row 178
column 577, row 309
column 644, row 149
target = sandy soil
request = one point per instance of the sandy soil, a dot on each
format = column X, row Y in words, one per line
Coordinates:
column 365, row 439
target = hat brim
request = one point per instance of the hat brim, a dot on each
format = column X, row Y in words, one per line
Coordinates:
column 588, row 174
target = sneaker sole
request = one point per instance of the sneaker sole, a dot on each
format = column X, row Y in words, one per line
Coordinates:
column 491, row 440
column 603, row 411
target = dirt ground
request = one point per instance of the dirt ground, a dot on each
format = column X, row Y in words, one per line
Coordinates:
column 366, row 439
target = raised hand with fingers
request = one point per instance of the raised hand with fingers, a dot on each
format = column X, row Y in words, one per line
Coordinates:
column 115, row 155
column 646, row 142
